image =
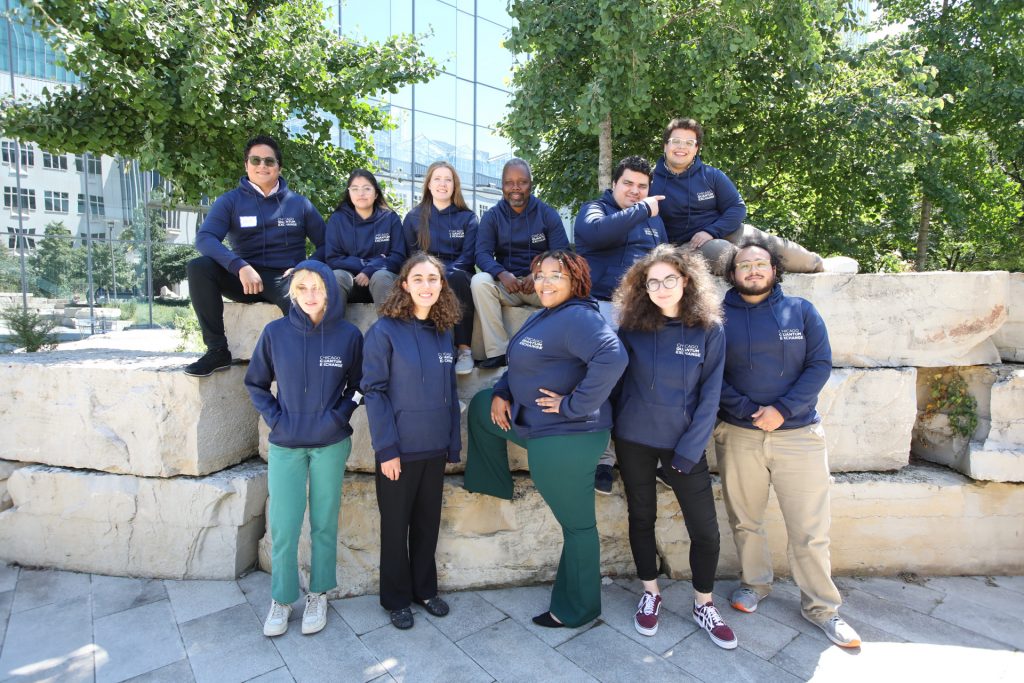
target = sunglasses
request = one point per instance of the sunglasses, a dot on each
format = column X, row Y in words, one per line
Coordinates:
column 269, row 162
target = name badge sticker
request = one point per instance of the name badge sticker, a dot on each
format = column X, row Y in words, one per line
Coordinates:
column 247, row 221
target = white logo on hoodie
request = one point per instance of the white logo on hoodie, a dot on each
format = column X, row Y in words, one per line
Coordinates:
column 331, row 362
column 531, row 343
column 791, row 334
column 688, row 350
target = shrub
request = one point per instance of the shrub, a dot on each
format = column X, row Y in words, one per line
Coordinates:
column 30, row 330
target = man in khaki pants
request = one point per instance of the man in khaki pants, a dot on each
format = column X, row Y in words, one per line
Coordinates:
column 777, row 361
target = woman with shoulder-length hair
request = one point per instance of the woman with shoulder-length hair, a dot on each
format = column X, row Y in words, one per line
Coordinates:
column 553, row 400
column 443, row 226
column 413, row 410
column 316, row 358
column 665, row 408
column 364, row 243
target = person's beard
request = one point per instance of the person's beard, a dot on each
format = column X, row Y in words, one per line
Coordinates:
column 756, row 288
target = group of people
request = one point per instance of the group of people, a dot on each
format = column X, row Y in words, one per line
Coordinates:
column 630, row 345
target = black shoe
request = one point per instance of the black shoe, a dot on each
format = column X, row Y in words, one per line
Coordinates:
column 660, row 474
column 436, row 606
column 493, row 362
column 547, row 621
column 401, row 618
column 210, row 363
column 603, row 479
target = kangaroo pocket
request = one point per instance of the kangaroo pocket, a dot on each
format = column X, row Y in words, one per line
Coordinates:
column 305, row 429
column 651, row 424
column 423, row 430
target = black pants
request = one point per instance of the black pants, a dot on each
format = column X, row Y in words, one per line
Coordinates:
column 459, row 280
column 208, row 282
column 410, row 515
column 637, row 465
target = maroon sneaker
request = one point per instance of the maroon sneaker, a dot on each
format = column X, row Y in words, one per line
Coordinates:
column 708, row 618
column 646, row 618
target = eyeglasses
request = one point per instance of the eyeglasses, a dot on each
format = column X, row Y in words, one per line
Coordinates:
column 671, row 282
column 554, row 278
column 748, row 266
column 269, row 162
column 362, row 189
column 682, row 142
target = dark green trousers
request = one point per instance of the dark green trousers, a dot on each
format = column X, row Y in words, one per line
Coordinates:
column 562, row 469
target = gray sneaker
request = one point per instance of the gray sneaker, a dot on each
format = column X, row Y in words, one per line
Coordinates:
column 314, row 617
column 745, row 599
column 464, row 362
column 838, row 631
column 277, row 619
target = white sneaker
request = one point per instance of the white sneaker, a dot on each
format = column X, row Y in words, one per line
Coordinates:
column 314, row 618
column 464, row 362
column 277, row 620
column 838, row 631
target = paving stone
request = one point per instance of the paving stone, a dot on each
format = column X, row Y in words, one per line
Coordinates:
column 510, row 653
column 1014, row 583
column 700, row 657
column 281, row 675
column 6, row 598
column 469, row 613
column 193, row 599
column 112, row 594
column 608, row 655
column 1001, row 626
column 978, row 592
column 422, row 654
column 618, row 606
column 229, row 646
column 8, row 577
column 801, row 656
column 39, row 587
column 524, row 603
column 333, row 654
column 179, row 672
column 362, row 614
column 920, row 597
column 256, row 588
column 136, row 641
column 52, row 642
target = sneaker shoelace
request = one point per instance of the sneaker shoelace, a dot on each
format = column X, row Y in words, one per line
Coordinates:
column 647, row 604
column 277, row 612
column 313, row 605
column 710, row 613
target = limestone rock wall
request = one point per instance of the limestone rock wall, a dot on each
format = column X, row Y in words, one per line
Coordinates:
column 1009, row 338
column 124, row 525
column 7, row 467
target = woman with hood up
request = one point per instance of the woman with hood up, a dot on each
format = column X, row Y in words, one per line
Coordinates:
column 315, row 357
column 413, row 410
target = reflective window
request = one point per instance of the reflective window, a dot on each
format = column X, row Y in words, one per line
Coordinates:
column 437, row 96
column 28, row 199
column 96, row 205
column 493, row 61
column 495, row 10
column 56, row 201
column 32, row 56
column 490, row 105
column 465, row 45
column 8, row 153
column 95, row 164
column 57, row 162
column 464, row 100
column 438, row 20
column 369, row 20
column 434, row 138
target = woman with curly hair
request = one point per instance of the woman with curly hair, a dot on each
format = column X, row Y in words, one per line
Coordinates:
column 665, row 408
column 553, row 400
column 413, row 411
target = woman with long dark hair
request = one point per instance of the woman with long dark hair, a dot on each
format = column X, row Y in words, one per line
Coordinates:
column 553, row 400
column 443, row 226
column 365, row 247
column 413, row 410
column 665, row 408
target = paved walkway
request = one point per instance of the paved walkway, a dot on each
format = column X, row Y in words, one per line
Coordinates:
column 63, row 626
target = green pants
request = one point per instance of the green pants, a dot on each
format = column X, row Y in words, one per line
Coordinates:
column 289, row 469
column 562, row 468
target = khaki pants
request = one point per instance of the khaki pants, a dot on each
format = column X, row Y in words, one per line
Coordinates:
column 795, row 463
column 489, row 295
column 795, row 258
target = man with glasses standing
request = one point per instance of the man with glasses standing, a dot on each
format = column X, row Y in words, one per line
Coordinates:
column 777, row 361
column 267, row 225
column 611, row 233
column 702, row 207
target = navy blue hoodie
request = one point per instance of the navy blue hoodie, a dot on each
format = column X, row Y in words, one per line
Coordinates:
column 317, row 369
column 668, row 396
column 570, row 350
column 452, row 236
column 264, row 232
column 409, row 384
column 612, row 239
column 699, row 198
column 508, row 240
column 777, row 354
column 364, row 245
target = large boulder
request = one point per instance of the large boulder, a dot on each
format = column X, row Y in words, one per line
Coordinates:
column 125, row 412
column 1009, row 338
column 123, row 525
column 7, row 467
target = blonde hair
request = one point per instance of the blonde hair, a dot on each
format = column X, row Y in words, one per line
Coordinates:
column 300, row 276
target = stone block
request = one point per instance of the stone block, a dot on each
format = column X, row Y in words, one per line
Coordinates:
column 1009, row 338
column 7, row 467
column 243, row 323
column 126, row 412
column 927, row 319
column 124, row 525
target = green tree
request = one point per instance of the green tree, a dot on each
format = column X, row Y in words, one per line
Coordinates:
column 58, row 267
column 180, row 85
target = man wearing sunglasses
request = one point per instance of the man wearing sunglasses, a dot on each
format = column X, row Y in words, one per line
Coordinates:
column 777, row 361
column 611, row 233
column 267, row 225
column 702, row 207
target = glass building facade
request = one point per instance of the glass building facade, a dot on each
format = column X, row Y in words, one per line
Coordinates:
column 453, row 117
column 33, row 58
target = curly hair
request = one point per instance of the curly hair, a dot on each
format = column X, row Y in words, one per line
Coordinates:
column 445, row 312
column 730, row 267
column 574, row 265
column 685, row 124
column 699, row 307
